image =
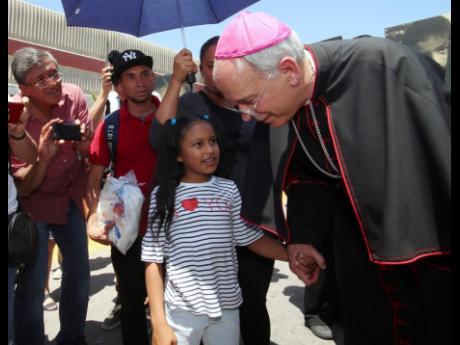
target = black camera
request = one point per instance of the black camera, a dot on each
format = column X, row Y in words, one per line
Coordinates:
column 66, row 131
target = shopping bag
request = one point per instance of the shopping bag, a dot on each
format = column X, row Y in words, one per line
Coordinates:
column 120, row 202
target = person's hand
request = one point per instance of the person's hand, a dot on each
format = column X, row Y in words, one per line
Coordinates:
column 183, row 65
column 98, row 232
column 246, row 117
column 164, row 335
column 82, row 146
column 47, row 147
column 305, row 262
column 17, row 129
column 106, row 78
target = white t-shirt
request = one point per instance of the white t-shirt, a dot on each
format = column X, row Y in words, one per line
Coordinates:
column 200, row 254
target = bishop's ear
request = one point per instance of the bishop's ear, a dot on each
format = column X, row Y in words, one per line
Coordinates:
column 290, row 69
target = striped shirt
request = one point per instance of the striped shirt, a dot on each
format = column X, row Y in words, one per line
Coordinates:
column 200, row 254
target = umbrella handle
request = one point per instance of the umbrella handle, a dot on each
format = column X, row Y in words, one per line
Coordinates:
column 191, row 80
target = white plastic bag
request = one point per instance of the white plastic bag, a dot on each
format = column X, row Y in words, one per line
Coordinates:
column 120, row 201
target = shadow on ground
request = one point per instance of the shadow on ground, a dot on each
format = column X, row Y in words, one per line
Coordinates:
column 295, row 294
column 277, row 275
column 96, row 336
column 96, row 284
column 99, row 263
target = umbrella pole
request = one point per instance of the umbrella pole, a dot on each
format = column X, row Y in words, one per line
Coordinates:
column 184, row 42
column 191, row 76
column 106, row 58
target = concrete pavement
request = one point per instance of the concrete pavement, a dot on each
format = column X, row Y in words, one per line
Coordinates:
column 284, row 301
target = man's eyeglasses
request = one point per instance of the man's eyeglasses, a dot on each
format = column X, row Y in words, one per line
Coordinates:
column 251, row 111
column 42, row 83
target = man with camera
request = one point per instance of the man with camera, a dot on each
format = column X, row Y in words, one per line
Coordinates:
column 51, row 190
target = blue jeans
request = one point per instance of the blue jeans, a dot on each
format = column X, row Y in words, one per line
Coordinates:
column 72, row 241
column 12, row 272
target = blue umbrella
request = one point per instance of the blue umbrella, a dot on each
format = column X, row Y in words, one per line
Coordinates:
column 143, row 17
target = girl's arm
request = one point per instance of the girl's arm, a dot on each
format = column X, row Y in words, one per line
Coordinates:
column 154, row 278
column 269, row 248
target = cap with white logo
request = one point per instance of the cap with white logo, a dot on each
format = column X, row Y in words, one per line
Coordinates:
column 128, row 59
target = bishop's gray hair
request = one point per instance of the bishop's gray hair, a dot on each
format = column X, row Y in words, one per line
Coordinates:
column 24, row 59
column 267, row 59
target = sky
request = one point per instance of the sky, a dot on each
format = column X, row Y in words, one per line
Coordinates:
column 313, row 20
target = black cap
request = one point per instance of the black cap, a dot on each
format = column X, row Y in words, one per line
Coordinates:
column 126, row 60
column 112, row 55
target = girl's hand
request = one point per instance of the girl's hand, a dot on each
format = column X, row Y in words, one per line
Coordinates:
column 246, row 117
column 305, row 261
column 164, row 335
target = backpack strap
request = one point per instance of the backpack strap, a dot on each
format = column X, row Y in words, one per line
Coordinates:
column 111, row 127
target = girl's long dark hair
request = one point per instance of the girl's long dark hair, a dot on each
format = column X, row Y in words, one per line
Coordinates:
column 169, row 171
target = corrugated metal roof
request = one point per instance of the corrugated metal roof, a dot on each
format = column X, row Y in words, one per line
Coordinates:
column 31, row 23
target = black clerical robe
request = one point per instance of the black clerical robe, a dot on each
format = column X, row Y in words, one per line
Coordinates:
column 390, row 128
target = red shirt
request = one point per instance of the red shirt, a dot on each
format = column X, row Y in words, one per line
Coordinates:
column 133, row 152
column 66, row 175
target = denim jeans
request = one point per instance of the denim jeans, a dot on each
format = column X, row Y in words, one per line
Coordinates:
column 12, row 272
column 72, row 241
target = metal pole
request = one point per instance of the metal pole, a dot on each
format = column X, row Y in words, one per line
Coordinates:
column 191, row 76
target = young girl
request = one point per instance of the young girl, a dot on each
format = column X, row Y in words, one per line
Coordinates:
column 189, row 247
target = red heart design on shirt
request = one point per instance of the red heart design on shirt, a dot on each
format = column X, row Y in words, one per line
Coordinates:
column 190, row 204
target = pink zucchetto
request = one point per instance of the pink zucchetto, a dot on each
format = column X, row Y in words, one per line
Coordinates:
column 249, row 33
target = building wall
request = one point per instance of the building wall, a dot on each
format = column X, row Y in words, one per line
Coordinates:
column 80, row 52
column 430, row 36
